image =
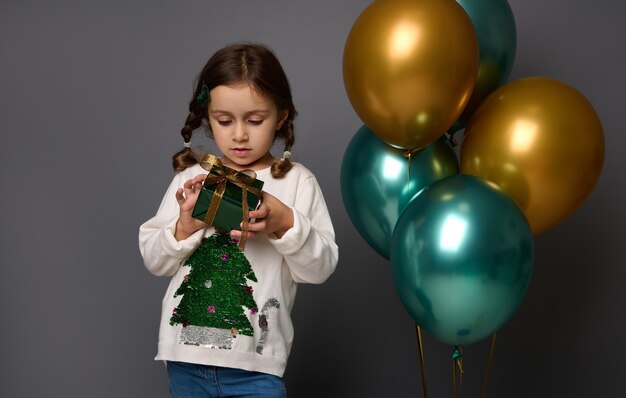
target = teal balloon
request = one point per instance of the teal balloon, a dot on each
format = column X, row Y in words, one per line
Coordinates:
column 497, row 40
column 376, row 184
column 462, row 258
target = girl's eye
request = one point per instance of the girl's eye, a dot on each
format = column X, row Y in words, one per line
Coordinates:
column 223, row 122
column 255, row 122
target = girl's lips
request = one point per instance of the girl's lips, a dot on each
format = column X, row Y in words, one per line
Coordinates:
column 240, row 152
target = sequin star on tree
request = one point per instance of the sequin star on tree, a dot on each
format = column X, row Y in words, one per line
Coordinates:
column 215, row 291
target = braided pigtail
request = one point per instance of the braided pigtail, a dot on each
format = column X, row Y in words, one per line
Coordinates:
column 281, row 166
column 197, row 112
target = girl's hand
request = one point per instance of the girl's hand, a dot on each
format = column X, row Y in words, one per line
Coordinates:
column 187, row 198
column 272, row 217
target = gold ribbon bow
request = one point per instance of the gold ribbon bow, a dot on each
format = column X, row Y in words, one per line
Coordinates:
column 222, row 175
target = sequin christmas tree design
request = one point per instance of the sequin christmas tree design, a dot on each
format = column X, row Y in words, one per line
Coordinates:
column 215, row 292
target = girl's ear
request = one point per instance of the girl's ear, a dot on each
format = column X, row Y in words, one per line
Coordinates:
column 282, row 116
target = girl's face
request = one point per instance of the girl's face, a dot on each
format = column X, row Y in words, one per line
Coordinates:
column 243, row 123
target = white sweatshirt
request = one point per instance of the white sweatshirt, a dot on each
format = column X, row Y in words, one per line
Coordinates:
column 307, row 253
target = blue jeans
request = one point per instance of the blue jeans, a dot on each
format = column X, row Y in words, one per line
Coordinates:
column 188, row 380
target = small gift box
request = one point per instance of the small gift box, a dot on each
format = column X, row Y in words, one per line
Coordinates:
column 226, row 196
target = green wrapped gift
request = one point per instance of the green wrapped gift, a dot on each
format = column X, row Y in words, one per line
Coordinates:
column 227, row 195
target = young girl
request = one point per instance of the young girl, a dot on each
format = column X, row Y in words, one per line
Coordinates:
column 230, row 333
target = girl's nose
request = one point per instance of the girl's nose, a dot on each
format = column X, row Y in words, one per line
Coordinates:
column 240, row 134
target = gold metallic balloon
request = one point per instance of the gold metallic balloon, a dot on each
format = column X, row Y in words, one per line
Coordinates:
column 542, row 142
column 409, row 68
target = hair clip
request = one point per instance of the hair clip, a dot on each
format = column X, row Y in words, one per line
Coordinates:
column 204, row 97
column 187, row 144
column 286, row 155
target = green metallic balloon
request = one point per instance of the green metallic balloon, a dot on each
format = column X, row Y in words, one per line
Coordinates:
column 376, row 184
column 462, row 258
column 497, row 40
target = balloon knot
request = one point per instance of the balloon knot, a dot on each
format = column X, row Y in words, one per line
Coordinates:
column 456, row 353
column 410, row 152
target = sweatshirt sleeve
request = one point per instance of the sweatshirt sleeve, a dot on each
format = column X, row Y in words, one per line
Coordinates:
column 309, row 247
column 162, row 253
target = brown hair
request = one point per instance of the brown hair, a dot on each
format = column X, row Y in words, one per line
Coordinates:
column 243, row 62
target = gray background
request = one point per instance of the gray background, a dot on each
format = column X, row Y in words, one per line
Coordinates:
column 92, row 98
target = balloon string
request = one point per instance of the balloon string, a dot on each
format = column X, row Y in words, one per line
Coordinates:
column 409, row 169
column 457, row 360
column 488, row 367
column 453, row 379
column 421, row 355
column 409, row 155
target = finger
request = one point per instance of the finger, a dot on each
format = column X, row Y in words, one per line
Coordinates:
column 235, row 235
column 256, row 226
column 179, row 196
column 200, row 180
column 189, row 183
column 259, row 213
column 191, row 186
column 197, row 187
column 192, row 183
